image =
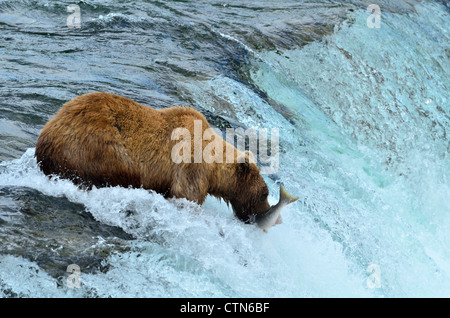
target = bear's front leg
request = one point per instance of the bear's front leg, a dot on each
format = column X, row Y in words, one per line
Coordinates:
column 189, row 183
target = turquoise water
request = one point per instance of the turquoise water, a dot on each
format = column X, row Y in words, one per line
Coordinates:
column 363, row 115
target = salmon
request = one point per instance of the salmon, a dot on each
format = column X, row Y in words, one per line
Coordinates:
column 271, row 217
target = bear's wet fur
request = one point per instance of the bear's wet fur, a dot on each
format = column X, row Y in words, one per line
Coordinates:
column 101, row 139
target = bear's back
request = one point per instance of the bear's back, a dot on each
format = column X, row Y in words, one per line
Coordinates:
column 87, row 142
column 104, row 139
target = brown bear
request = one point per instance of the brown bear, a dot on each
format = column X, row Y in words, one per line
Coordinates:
column 101, row 139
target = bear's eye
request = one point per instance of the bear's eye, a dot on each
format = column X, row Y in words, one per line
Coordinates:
column 264, row 197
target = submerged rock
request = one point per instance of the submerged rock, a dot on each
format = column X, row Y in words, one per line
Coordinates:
column 54, row 232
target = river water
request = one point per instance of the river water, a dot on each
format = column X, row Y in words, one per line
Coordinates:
column 363, row 114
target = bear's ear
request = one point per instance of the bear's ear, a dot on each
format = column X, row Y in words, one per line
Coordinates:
column 244, row 161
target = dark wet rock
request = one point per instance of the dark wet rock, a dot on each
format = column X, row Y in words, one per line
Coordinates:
column 54, row 232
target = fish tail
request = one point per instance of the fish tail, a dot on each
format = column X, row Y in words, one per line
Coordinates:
column 285, row 197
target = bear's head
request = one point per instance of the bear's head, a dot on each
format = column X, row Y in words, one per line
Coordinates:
column 251, row 192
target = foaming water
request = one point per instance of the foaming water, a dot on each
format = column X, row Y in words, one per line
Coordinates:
column 381, row 185
column 183, row 250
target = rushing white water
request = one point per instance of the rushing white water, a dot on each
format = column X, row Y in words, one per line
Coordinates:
column 365, row 147
column 201, row 252
column 383, row 160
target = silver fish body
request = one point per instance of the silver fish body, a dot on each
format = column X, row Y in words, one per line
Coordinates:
column 271, row 217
